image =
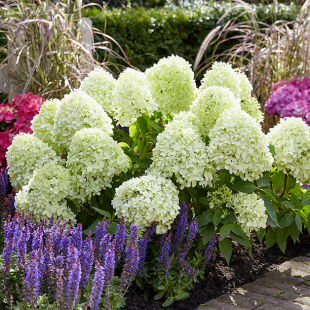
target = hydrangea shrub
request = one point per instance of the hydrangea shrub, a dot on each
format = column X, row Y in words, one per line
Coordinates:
column 15, row 118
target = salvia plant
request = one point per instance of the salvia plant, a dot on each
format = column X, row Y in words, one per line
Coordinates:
column 200, row 146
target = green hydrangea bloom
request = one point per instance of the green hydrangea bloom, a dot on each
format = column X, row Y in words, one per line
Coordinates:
column 45, row 194
column 172, row 84
column 252, row 107
column 209, row 105
column 250, row 211
column 291, row 139
column 99, row 85
column 76, row 111
column 93, row 160
column 24, row 155
column 180, row 151
column 222, row 74
column 147, row 199
column 43, row 123
column 238, row 145
column 132, row 97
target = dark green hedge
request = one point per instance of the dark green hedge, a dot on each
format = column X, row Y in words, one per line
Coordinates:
column 146, row 35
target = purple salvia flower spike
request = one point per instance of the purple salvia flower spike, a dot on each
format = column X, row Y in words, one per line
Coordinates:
column 143, row 245
column 120, row 238
column 87, row 260
column 77, row 236
column 97, row 287
column 180, row 227
column 164, row 254
column 109, row 263
column 103, row 247
column 59, row 295
column 100, row 233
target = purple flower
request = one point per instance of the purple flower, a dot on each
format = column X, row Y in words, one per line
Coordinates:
column 59, row 287
column 37, row 239
column 31, row 282
column 4, row 180
column 180, row 227
column 193, row 229
column 143, row 245
column 209, row 250
column 109, row 263
column 120, row 238
column 87, row 260
column 77, row 235
column 97, row 287
column 103, row 247
column 101, row 231
column 163, row 264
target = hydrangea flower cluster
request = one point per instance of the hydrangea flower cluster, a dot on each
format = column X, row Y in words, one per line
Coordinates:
column 89, row 174
column 17, row 115
column 290, row 98
column 172, row 84
column 238, row 145
column 99, row 85
column 250, row 211
column 291, row 139
column 132, row 97
column 26, row 153
column 222, row 74
column 45, row 194
column 78, row 110
column 180, row 151
column 209, row 105
column 43, row 123
column 146, row 199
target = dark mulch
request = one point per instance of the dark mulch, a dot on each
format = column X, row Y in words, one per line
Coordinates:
column 220, row 278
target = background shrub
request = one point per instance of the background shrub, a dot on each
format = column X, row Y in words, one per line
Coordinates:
column 146, row 35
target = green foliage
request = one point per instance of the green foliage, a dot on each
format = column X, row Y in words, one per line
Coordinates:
column 146, row 35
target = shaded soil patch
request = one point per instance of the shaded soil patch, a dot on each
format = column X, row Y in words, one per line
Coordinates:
column 220, row 278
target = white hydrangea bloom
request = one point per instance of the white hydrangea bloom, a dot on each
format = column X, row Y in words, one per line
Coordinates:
column 245, row 86
column 93, row 160
column 99, row 85
column 24, row 155
column 222, row 74
column 252, row 107
column 209, row 105
column 238, row 145
column 45, row 194
column 147, row 199
column 250, row 211
column 76, row 111
column 132, row 97
column 291, row 139
column 172, row 84
column 43, row 123
column 180, row 151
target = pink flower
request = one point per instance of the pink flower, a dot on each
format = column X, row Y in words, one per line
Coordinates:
column 9, row 117
column 298, row 108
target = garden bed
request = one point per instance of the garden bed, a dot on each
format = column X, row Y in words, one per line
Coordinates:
column 220, row 278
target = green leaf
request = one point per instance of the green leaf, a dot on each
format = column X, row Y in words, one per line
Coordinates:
column 290, row 182
column 237, row 229
column 205, row 218
column 272, row 149
column 72, row 206
column 286, row 203
column 308, row 225
column 264, row 181
column 204, row 200
column 287, row 220
column 161, row 287
column 128, row 151
column 306, row 198
column 270, row 209
column 230, row 217
column 225, row 230
column 207, row 233
column 134, row 132
column 169, row 301
column 217, row 217
column 182, row 296
column 92, row 227
column 244, row 187
column 121, row 304
column 112, row 229
column 142, row 150
column 142, row 123
column 298, row 221
column 294, row 232
column 225, row 249
column 282, row 234
column 241, row 240
column 260, row 235
column 278, row 179
column 271, row 238
column 102, row 212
